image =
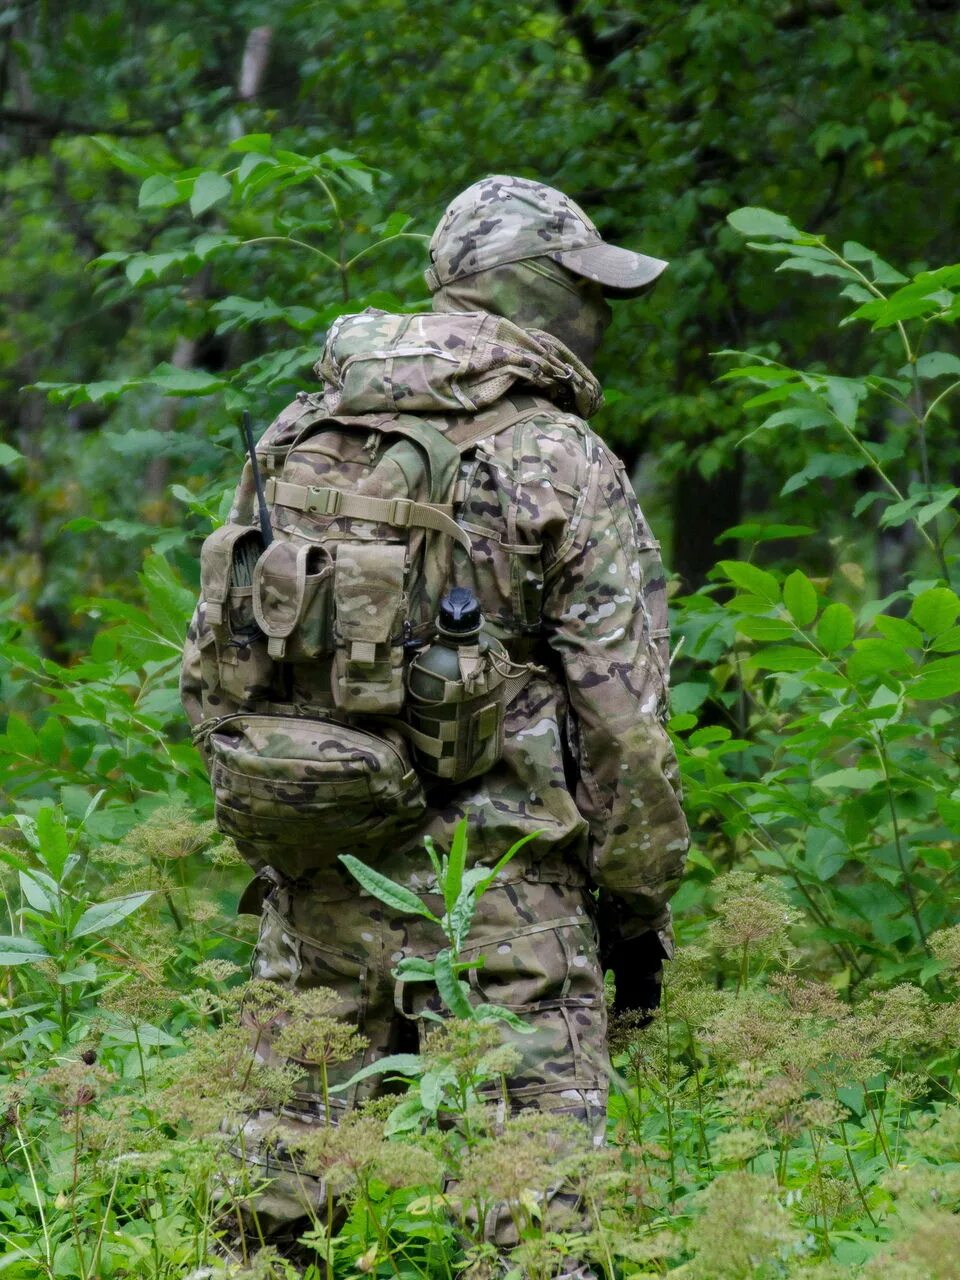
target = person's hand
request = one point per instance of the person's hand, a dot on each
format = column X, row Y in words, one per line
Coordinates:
column 637, row 965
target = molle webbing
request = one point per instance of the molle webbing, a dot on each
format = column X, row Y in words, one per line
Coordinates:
column 400, row 512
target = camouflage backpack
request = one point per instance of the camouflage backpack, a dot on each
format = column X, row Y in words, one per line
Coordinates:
column 311, row 637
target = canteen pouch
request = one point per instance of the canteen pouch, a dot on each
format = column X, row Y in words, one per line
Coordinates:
column 294, row 792
column 293, row 600
column 370, row 609
column 456, row 726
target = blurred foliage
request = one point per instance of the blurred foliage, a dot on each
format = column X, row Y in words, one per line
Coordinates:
column 192, row 194
column 659, row 121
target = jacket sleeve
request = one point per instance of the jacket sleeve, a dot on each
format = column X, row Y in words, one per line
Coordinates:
column 605, row 616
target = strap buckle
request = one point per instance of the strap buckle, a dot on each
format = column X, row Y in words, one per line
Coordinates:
column 401, row 510
column 323, row 501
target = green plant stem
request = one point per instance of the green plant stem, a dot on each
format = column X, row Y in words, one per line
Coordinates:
column 853, row 1174
column 897, row 840
column 302, row 244
column 328, row 1186
column 74, row 1181
column 47, row 1248
column 668, row 1114
column 877, row 1127
column 704, row 1144
column 382, row 1238
column 372, row 248
column 815, row 1146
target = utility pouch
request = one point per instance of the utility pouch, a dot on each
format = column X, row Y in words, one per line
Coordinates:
column 227, row 558
column 369, row 607
column 294, row 792
column 292, row 600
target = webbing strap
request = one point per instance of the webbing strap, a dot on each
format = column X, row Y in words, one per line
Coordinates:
column 401, row 512
column 513, row 684
column 466, row 434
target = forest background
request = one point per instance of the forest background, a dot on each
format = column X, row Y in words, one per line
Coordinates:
column 192, row 192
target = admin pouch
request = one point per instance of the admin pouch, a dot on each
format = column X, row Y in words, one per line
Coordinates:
column 311, row 636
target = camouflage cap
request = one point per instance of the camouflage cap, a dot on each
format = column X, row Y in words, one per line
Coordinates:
column 501, row 219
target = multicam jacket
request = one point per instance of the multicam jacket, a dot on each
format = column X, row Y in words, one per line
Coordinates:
column 569, row 577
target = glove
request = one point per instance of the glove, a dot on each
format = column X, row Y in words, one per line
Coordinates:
column 637, row 965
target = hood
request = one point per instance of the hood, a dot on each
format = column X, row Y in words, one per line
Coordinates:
column 537, row 294
column 458, row 362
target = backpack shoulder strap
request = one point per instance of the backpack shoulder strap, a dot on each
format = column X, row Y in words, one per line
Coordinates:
column 506, row 413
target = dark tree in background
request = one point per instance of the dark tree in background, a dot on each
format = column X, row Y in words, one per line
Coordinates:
column 660, row 118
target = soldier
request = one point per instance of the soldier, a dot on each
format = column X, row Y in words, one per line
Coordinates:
column 569, row 577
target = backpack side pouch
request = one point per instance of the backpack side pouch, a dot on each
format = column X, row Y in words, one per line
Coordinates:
column 293, row 600
column 244, row 669
column 294, row 792
column 370, row 612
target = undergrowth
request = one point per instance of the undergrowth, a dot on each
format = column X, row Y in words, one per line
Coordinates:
column 792, row 1109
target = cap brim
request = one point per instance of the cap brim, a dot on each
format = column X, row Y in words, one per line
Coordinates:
column 619, row 271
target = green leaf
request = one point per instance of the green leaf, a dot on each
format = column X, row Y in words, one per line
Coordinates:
column 930, row 510
column 836, row 628
column 259, row 142
column 208, row 189
column 750, row 578
column 395, row 224
column 496, row 1013
column 122, row 158
column 877, row 658
column 813, row 267
column 755, row 532
column 405, row 1117
column 397, row 1064
column 784, row 658
column 8, row 455
column 104, row 915
column 502, row 861
column 850, row 779
column 899, row 630
column 452, row 991
column 939, row 679
column 753, row 221
column 765, row 629
column 947, row 641
column 949, row 809
column 396, row 896
column 935, row 364
column 20, row 949
column 800, row 597
column 832, row 465
column 183, row 382
column 20, row 738
column 935, row 610
column 251, row 163
column 37, row 894
column 158, row 192
column 453, row 879
column 53, row 842
column 50, row 739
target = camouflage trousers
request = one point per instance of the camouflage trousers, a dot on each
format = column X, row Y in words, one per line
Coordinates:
column 539, row 947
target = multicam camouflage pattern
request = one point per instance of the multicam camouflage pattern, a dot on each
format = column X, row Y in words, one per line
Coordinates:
column 503, row 219
column 374, row 362
column 539, row 948
column 539, row 295
column 370, row 613
column 569, row 576
column 287, row 788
